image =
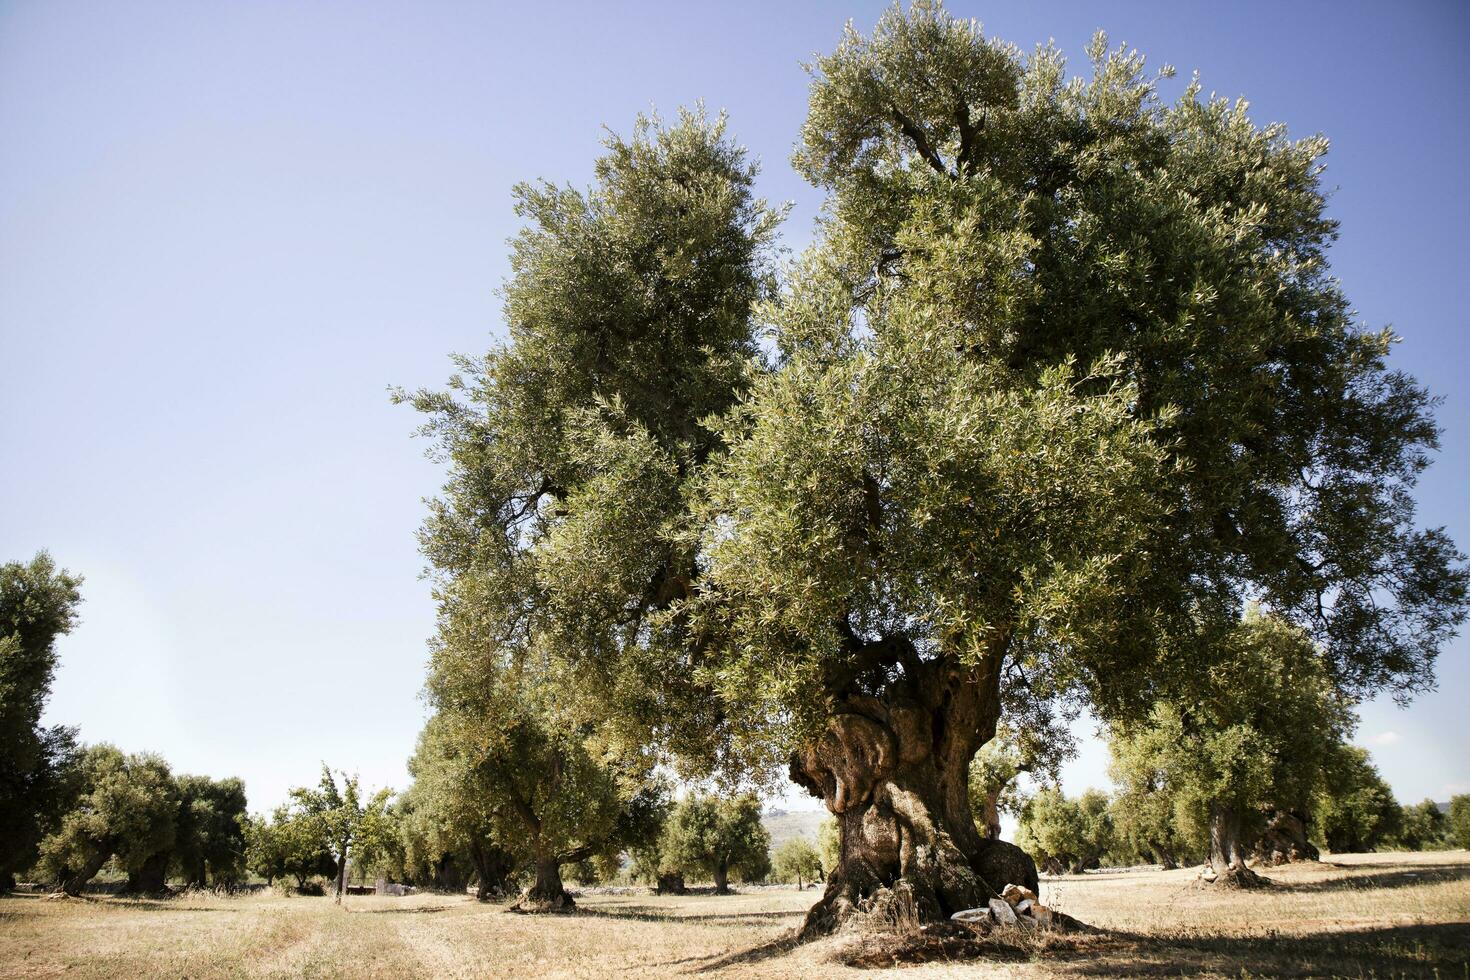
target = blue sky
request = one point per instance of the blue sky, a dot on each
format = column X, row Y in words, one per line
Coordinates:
column 226, row 229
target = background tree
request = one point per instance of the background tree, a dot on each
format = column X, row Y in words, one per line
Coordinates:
column 796, row 860
column 1066, row 836
column 1355, row 808
column 1257, row 739
column 1146, row 809
column 210, row 837
column 1422, row 827
column 559, row 791
column 715, row 836
column 337, row 818
column 829, row 844
column 38, row 603
column 1037, row 745
column 1457, row 821
column 127, row 809
column 448, row 821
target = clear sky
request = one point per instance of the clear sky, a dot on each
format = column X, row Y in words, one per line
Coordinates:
column 226, row 229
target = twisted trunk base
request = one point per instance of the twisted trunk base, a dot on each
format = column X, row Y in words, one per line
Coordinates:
column 151, row 878
column 548, row 894
column 895, row 774
column 1285, row 840
column 494, row 868
column 1227, row 867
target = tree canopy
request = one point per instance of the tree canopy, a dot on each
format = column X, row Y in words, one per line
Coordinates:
column 38, row 603
column 1063, row 385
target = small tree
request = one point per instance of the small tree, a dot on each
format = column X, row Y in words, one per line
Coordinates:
column 38, row 603
column 796, row 859
column 829, row 843
column 337, row 819
column 715, row 836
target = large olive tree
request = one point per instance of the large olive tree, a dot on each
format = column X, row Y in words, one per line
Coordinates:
column 1065, row 383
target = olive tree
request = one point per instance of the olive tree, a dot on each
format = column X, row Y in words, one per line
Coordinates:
column 336, row 819
column 1066, row 836
column 1064, row 382
column 710, row 835
column 796, row 860
column 127, row 809
column 38, row 603
column 1258, row 739
column 1354, row 808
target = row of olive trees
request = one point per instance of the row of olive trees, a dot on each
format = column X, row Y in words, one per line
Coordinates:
column 1355, row 812
column 67, row 810
column 1063, row 384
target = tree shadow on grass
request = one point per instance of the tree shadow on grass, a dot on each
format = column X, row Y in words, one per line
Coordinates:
column 655, row 913
column 1406, row 876
column 1429, row 950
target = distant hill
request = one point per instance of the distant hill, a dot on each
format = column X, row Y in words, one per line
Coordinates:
column 783, row 825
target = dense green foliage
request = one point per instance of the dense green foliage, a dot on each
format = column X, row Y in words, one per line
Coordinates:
column 1458, row 820
column 287, row 845
column 37, row 604
column 1257, row 737
column 1355, row 809
column 1066, row 835
column 1422, row 827
column 715, row 837
column 127, row 810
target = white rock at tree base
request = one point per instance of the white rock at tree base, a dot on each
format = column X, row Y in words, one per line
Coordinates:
column 972, row 915
column 1023, row 906
column 1004, row 914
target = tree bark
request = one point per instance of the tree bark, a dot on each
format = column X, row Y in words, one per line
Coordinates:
column 722, row 878
column 894, row 770
column 72, row 882
column 151, row 878
column 1227, row 856
column 493, row 867
column 548, row 894
column 342, row 874
column 1285, row 840
column 992, row 814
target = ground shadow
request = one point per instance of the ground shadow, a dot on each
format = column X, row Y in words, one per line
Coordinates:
column 655, row 913
column 1435, row 949
column 1404, row 876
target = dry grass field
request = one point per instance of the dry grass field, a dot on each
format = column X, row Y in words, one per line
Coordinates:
column 1381, row 915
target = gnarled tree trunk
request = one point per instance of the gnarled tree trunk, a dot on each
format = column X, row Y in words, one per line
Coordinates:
column 151, row 878
column 1227, row 855
column 722, row 878
column 74, row 880
column 548, row 894
column 1285, row 840
column 494, row 866
column 992, row 814
column 894, row 770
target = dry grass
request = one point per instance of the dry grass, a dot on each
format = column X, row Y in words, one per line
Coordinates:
column 1382, row 915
